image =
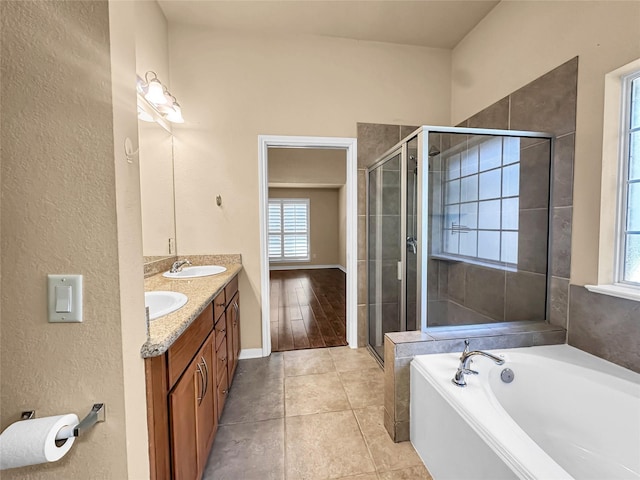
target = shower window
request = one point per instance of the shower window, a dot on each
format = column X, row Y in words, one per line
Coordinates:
column 288, row 229
column 480, row 200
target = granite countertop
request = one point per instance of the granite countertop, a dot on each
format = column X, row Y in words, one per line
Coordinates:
column 200, row 292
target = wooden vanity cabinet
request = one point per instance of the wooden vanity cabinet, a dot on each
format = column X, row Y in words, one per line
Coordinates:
column 192, row 415
column 187, row 388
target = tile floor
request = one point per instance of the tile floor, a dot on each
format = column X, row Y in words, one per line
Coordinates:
column 309, row 414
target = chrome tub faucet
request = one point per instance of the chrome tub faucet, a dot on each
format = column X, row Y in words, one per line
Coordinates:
column 465, row 361
column 177, row 266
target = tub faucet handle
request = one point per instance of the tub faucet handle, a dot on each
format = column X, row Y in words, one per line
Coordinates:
column 465, row 361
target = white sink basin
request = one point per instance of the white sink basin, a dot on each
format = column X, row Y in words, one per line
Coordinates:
column 162, row 303
column 197, row 271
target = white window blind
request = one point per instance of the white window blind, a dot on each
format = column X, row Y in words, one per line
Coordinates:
column 288, row 229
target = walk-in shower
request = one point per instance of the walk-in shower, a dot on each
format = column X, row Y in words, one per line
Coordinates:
column 457, row 230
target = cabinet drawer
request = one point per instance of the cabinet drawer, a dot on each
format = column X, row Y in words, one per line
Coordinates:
column 221, row 331
column 187, row 345
column 221, row 362
column 223, row 391
column 218, row 305
column 230, row 290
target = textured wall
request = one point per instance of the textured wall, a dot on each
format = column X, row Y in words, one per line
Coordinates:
column 234, row 86
column 59, row 216
column 122, row 25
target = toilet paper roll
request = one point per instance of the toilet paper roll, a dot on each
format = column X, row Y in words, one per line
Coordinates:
column 30, row 442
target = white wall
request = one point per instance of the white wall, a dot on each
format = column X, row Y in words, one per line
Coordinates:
column 519, row 41
column 234, row 87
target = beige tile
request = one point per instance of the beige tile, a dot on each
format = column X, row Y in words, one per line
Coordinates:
column 365, row 476
column 327, row 445
column 419, row 472
column 309, row 394
column 348, row 359
column 386, row 454
column 364, row 387
column 307, row 362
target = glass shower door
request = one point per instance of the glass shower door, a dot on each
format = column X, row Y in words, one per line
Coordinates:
column 384, row 250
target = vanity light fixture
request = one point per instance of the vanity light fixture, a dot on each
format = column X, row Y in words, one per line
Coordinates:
column 144, row 115
column 163, row 106
column 175, row 115
column 155, row 89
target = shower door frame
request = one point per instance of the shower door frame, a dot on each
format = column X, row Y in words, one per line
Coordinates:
column 423, row 226
column 422, row 192
column 398, row 149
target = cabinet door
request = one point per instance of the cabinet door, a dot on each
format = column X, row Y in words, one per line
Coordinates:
column 205, row 412
column 223, row 391
column 230, row 316
column 235, row 327
column 182, row 406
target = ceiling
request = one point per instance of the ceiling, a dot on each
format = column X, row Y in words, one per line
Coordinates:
column 428, row 23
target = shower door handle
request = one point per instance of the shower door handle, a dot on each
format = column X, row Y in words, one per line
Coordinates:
column 412, row 244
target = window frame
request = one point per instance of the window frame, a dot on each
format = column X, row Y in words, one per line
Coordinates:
column 282, row 201
column 624, row 180
column 445, row 180
column 613, row 150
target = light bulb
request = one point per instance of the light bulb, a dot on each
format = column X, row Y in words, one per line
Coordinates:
column 155, row 93
column 175, row 116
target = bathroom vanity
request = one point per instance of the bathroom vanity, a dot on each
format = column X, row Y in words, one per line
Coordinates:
column 190, row 360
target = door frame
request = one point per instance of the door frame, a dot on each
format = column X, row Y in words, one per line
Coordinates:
column 350, row 145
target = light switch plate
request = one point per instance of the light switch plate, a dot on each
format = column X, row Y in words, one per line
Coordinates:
column 73, row 281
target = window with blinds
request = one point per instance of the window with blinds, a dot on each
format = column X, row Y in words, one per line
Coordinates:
column 288, row 229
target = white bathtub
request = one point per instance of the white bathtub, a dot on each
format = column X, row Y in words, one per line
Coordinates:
column 567, row 414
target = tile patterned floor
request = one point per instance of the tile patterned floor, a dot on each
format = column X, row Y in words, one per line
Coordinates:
column 309, row 414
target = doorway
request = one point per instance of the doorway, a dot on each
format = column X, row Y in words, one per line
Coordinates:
column 349, row 146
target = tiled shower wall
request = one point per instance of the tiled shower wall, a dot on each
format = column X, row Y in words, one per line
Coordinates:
column 373, row 140
column 462, row 293
column 605, row 326
column 548, row 104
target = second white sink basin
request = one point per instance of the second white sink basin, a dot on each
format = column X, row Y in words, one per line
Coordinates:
column 197, row 271
column 161, row 303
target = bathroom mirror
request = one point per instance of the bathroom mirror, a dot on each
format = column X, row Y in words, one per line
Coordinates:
column 156, row 191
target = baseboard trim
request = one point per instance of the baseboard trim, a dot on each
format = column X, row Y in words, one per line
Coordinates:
column 246, row 353
column 305, row 267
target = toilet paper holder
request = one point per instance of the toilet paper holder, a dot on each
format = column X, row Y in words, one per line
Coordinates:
column 97, row 414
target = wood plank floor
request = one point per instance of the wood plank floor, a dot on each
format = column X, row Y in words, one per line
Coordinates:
column 307, row 309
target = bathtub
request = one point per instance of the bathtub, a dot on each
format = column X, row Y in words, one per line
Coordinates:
column 566, row 414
